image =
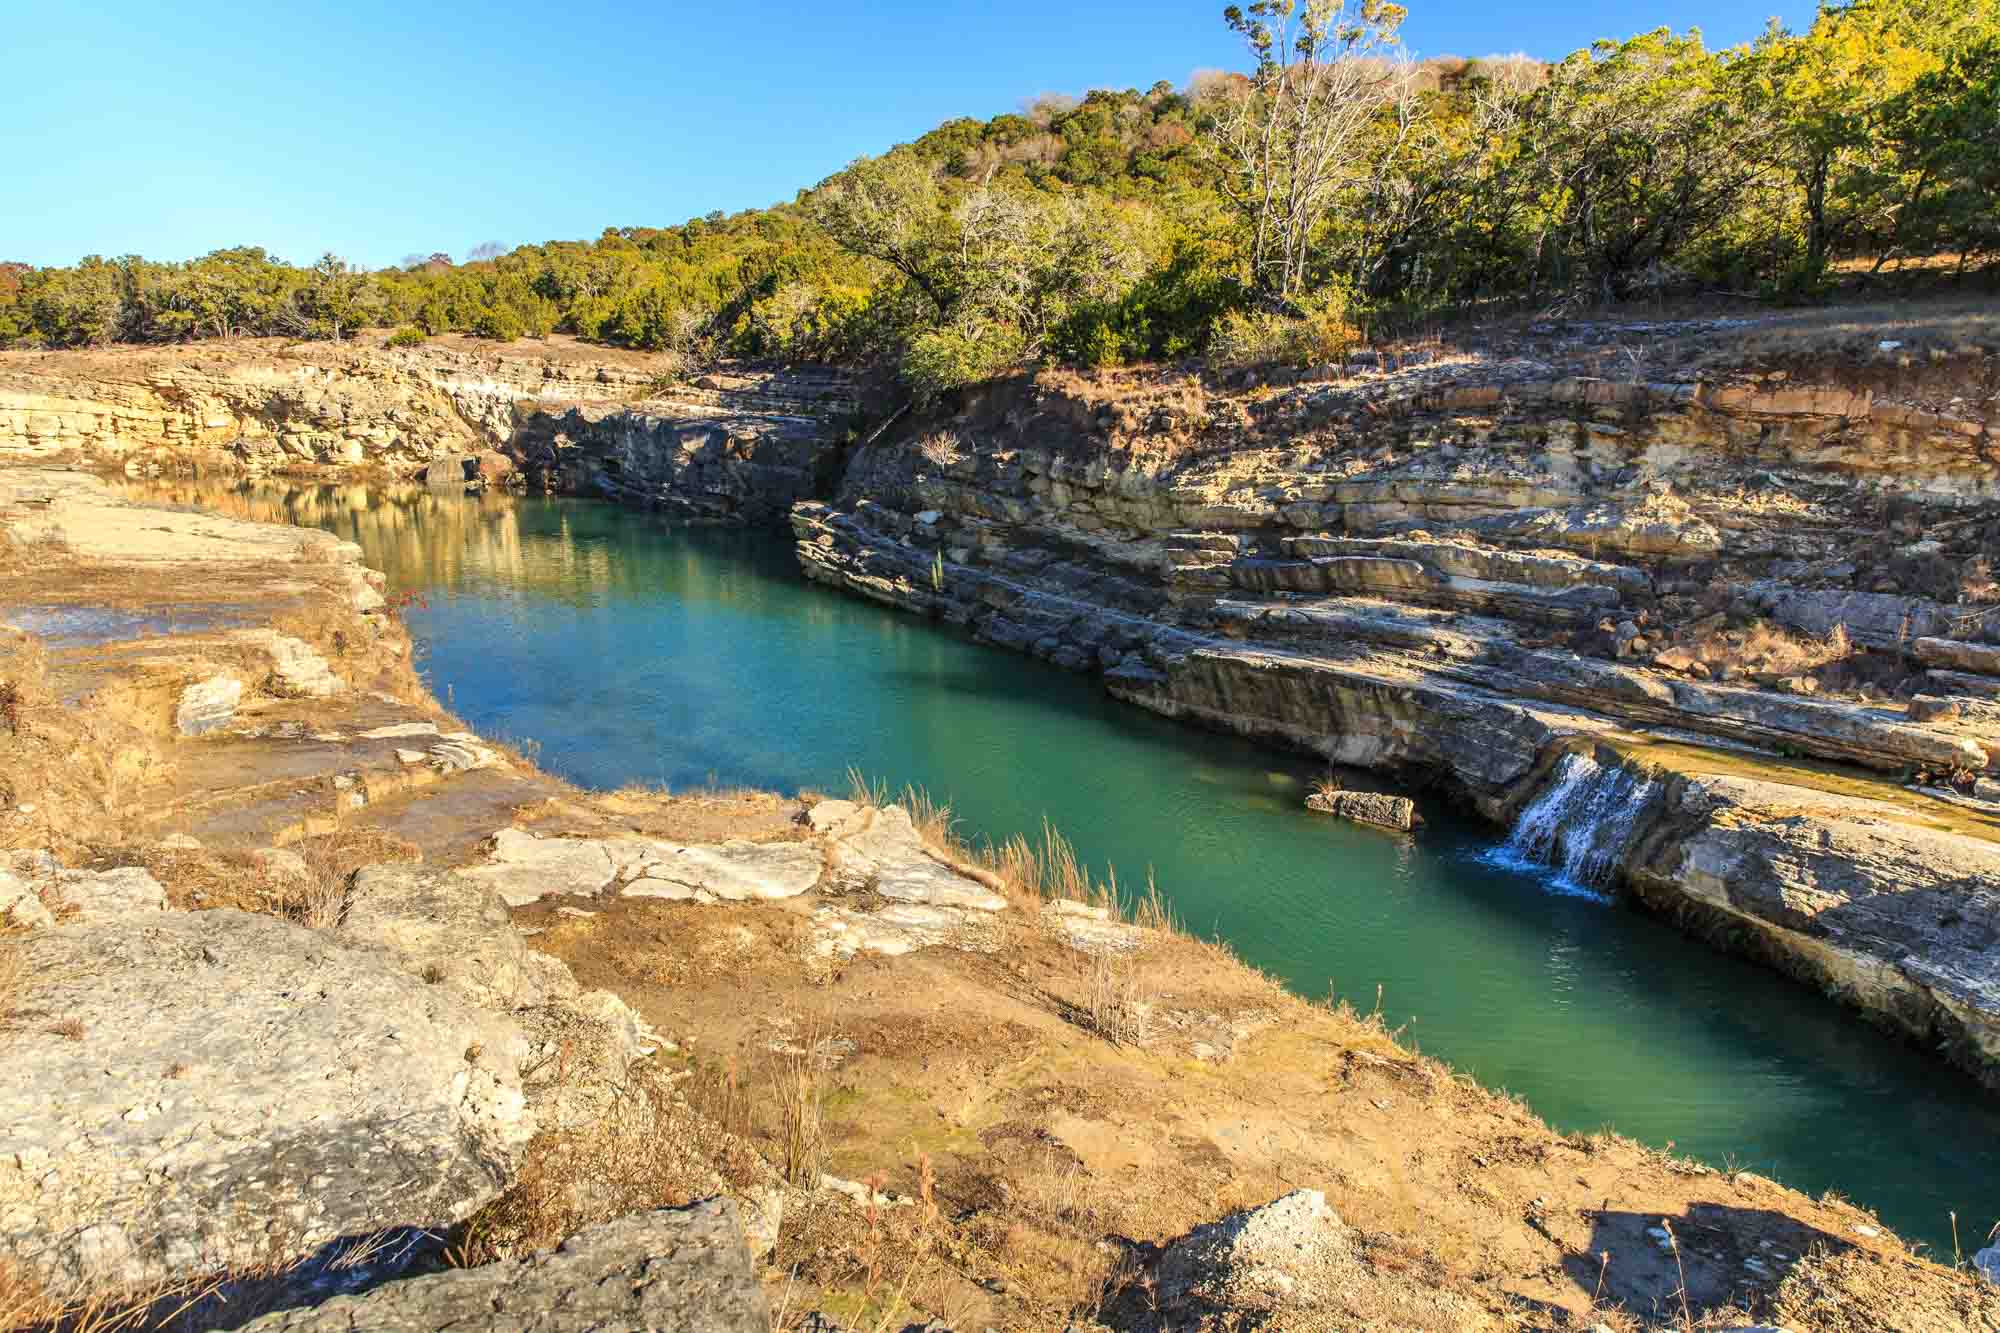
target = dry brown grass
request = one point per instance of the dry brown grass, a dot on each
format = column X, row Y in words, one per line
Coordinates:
column 327, row 626
column 650, row 1149
column 877, row 1266
column 77, row 765
column 799, row 1087
column 333, row 858
column 1855, row 1292
column 197, row 879
column 201, row 878
column 13, row 978
column 1767, row 649
column 24, row 550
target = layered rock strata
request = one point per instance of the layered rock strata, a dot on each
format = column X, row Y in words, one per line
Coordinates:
column 1458, row 582
column 735, row 443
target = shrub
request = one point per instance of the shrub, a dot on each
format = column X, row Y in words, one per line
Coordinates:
column 1310, row 336
column 499, row 324
column 407, row 336
column 957, row 355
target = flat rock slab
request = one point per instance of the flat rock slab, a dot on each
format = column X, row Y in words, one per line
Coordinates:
column 732, row 871
column 882, row 847
column 686, row 1270
column 1090, row 929
column 237, row 1084
column 900, row 928
column 95, row 895
column 522, row 868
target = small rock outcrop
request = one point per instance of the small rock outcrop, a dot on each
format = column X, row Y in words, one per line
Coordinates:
column 686, row 1270
column 1366, row 807
column 208, row 705
column 1252, row 1256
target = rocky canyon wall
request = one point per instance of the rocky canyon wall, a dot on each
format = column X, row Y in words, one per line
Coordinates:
column 1768, row 594
column 735, row 443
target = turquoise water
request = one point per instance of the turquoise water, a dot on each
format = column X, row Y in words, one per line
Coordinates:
column 631, row 650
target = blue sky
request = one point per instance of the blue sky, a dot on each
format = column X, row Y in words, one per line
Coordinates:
column 376, row 130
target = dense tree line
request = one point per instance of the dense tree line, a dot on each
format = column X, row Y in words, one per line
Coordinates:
column 1251, row 215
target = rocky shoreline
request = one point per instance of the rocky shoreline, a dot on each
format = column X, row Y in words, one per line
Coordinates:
column 321, row 990
column 1456, row 569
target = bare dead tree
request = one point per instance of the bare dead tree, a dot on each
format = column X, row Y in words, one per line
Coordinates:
column 1296, row 134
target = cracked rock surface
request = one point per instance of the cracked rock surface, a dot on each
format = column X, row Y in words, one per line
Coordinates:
column 235, row 1081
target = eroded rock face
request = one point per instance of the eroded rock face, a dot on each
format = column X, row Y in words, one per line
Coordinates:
column 684, row 1269
column 1397, row 573
column 1899, row 919
column 227, row 1084
column 740, row 444
column 735, row 446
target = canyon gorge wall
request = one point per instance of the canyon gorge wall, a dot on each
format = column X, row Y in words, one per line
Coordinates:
column 1753, row 596
column 734, row 444
column 1756, row 604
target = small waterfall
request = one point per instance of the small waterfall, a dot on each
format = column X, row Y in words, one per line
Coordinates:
column 1579, row 824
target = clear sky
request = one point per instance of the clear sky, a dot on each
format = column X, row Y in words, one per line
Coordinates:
column 377, row 129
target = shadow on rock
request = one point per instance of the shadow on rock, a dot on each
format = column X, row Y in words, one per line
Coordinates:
column 347, row 1266
column 1731, row 1258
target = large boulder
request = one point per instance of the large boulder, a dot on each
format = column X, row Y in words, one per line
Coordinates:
column 224, row 1088
column 682, row 1269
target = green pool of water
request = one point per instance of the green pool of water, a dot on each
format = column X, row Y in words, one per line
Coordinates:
column 628, row 650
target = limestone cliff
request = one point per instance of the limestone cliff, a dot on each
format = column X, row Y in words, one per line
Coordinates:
column 1463, row 569
column 731, row 444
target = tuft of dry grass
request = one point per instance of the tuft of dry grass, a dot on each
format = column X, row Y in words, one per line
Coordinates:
column 1114, row 1007
column 333, row 858
column 202, row 878
column 1768, row 649
column 650, row 1149
column 799, row 1084
column 190, row 1303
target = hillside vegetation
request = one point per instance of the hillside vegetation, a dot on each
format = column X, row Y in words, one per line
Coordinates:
column 1254, row 216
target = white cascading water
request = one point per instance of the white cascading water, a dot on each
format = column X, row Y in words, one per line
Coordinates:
column 1578, row 824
